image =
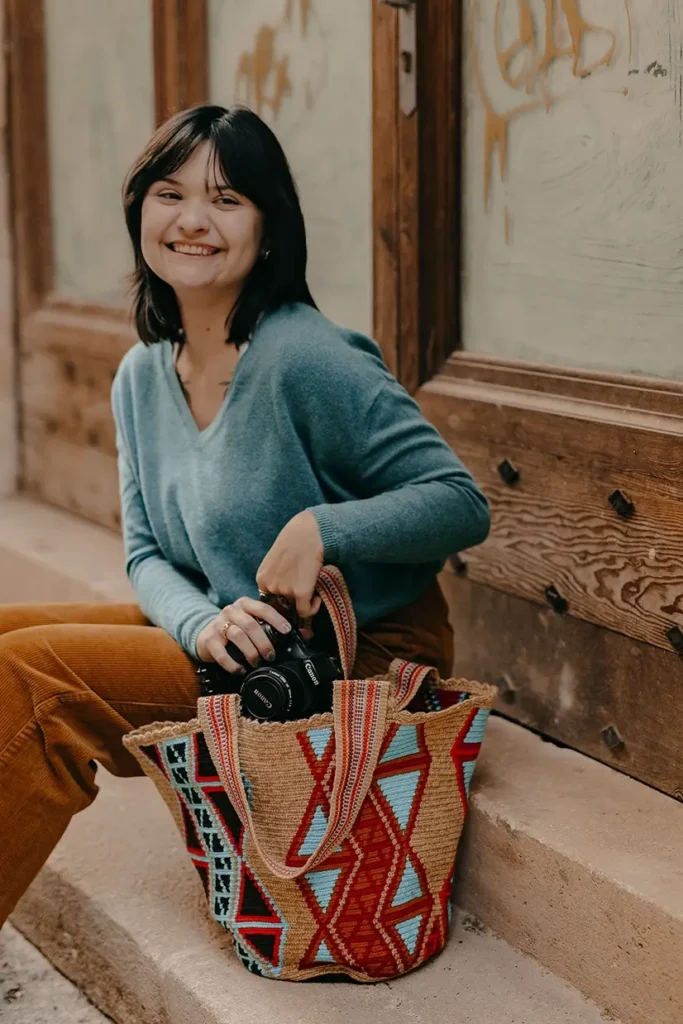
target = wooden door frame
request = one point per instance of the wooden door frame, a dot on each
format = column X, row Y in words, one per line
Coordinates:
column 578, row 439
column 416, row 193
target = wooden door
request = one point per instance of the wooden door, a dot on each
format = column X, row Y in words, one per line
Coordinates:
column 559, row 378
column 88, row 82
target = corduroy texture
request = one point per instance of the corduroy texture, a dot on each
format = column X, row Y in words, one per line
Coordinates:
column 74, row 678
column 368, row 801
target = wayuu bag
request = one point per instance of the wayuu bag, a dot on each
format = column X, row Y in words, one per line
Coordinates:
column 327, row 845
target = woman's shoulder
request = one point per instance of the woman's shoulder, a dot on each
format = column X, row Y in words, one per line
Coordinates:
column 299, row 335
column 140, row 362
column 137, row 376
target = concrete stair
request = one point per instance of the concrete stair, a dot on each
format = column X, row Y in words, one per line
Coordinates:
column 563, row 858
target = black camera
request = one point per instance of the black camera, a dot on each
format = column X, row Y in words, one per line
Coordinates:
column 296, row 685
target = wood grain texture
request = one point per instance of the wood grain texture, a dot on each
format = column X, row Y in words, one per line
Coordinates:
column 439, row 102
column 68, row 360
column 385, row 183
column 570, row 680
column 556, row 526
column 75, row 477
column 597, row 435
column 29, row 152
column 180, row 55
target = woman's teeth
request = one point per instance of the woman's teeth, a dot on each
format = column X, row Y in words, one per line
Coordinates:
column 193, row 250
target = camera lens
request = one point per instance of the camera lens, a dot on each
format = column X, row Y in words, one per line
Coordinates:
column 271, row 695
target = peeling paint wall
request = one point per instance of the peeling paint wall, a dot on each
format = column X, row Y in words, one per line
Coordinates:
column 100, row 80
column 305, row 66
column 574, row 183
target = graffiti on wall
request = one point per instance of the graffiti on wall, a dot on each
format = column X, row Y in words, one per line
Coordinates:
column 285, row 56
column 547, row 33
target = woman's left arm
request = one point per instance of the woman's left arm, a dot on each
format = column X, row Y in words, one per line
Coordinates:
column 420, row 503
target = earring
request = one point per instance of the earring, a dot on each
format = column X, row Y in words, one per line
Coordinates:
column 265, row 254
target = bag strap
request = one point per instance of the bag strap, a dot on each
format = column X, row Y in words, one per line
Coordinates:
column 335, row 596
column 406, row 677
column 360, row 721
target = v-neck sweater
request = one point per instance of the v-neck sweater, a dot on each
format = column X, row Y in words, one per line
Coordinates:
column 313, row 419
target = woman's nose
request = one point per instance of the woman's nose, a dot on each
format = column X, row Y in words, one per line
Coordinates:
column 193, row 217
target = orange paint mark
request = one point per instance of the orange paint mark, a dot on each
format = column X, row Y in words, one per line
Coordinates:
column 259, row 68
column 532, row 76
column 256, row 68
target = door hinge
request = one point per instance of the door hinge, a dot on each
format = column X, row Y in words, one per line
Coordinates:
column 407, row 54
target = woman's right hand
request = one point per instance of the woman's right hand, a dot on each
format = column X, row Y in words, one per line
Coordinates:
column 238, row 624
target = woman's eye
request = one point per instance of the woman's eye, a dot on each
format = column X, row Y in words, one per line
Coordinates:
column 169, row 195
column 226, row 201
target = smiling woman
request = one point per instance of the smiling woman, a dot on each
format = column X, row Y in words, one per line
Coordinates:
column 315, row 455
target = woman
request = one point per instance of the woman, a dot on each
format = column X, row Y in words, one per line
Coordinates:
column 257, row 441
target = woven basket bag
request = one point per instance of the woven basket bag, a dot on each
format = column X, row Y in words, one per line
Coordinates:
column 327, row 845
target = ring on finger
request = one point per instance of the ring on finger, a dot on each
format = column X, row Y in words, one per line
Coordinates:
column 224, row 629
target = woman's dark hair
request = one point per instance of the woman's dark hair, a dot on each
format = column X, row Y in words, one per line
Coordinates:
column 252, row 161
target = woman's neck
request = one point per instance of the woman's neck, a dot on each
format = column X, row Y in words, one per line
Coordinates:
column 205, row 326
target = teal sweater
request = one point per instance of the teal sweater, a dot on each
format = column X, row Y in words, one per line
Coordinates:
column 312, row 420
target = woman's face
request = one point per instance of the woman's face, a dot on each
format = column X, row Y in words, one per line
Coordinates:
column 197, row 233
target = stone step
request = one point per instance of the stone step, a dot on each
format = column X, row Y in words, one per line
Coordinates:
column 564, row 858
column 120, row 910
column 32, row 991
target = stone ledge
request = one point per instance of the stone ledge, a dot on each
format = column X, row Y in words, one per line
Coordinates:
column 120, row 910
column 50, row 555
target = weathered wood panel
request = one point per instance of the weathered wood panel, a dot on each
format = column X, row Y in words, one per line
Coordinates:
column 571, row 680
column 75, row 477
column 596, row 436
column 440, row 113
column 385, row 183
column 555, row 526
column 180, row 64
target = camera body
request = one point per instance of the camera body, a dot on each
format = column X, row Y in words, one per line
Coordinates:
column 296, row 685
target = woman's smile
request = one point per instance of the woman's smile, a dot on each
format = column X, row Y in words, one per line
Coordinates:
column 188, row 249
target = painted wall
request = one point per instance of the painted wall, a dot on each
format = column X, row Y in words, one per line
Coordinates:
column 305, row 66
column 574, row 183
column 100, row 114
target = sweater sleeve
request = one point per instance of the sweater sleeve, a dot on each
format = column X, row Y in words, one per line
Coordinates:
column 419, row 503
column 167, row 597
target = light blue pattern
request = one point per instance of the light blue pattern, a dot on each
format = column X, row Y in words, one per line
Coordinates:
column 410, row 887
column 403, row 744
column 409, row 931
column 315, row 833
column 468, row 772
column 400, row 790
column 323, row 955
column 221, row 858
column 322, row 883
column 475, row 733
column 319, row 738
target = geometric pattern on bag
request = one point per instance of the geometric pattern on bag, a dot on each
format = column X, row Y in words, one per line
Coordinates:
column 214, row 838
column 371, row 901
